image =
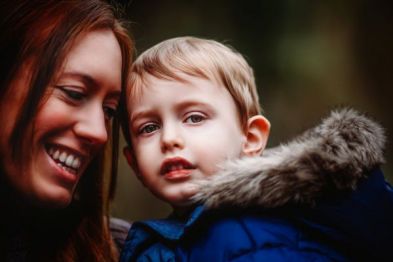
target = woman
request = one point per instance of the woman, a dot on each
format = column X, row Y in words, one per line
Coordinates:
column 63, row 67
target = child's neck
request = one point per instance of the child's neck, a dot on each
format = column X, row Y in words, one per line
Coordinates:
column 183, row 212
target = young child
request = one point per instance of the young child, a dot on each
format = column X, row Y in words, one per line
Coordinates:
column 192, row 105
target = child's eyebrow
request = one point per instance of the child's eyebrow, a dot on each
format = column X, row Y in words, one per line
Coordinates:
column 140, row 114
column 146, row 113
column 192, row 103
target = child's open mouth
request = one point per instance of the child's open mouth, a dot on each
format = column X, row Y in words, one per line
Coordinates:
column 176, row 168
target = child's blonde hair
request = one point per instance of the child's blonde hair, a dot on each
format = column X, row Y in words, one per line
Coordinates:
column 208, row 59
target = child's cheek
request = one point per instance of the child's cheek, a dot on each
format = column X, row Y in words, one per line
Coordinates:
column 213, row 155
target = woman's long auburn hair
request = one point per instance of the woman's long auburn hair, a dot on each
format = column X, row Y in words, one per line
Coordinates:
column 43, row 32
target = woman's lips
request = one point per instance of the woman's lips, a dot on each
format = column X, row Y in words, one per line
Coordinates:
column 65, row 177
column 176, row 168
column 67, row 163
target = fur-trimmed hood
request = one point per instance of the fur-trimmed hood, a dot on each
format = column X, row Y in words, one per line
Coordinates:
column 334, row 155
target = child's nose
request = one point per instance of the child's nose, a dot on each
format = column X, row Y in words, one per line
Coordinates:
column 171, row 138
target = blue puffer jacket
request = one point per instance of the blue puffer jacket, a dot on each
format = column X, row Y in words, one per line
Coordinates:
column 224, row 236
column 359, row 228
column 295, row 203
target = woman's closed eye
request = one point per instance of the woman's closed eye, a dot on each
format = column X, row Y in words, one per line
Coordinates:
column 72, row 93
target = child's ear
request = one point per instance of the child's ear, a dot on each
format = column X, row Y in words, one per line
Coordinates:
column 257, row 133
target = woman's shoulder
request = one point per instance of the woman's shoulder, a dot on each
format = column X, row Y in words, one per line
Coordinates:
column 119, row 229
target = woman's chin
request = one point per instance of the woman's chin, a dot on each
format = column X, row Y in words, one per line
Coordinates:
column 53, row 200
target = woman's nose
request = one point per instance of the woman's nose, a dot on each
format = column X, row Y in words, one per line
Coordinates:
column 91, row 127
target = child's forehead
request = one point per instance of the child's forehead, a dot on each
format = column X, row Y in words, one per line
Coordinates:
column 151, row 82
column 148, row 95
column 153, row 86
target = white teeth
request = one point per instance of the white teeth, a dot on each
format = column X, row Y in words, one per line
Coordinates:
column 69, row 160
column 56, row 154
column 63, row 157
column 175, row 167
column 73, row 171
column 76, row 163
column 66, row 160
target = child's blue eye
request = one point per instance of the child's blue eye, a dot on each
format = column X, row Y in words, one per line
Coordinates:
column 195, row 118
column 149, row 128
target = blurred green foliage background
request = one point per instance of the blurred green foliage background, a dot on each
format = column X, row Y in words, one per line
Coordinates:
column 309, row 57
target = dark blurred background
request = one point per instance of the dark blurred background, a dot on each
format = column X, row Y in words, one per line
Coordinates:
column 309, row 57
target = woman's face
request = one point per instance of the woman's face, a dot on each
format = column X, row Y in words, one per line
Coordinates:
column 72, row 122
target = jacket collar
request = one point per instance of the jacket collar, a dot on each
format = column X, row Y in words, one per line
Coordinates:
column 171, row 228
column 336, row 154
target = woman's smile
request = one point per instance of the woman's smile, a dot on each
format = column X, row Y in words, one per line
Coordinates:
column 68, row 163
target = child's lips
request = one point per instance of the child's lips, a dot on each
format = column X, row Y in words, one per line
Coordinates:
column 176, row 168
column 178, row 175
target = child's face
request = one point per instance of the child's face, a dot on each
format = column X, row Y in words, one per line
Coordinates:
column 180, row 131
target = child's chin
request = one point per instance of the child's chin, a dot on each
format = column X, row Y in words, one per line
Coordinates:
column 182, row 198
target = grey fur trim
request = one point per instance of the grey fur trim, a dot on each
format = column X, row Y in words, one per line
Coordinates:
column 331, row 156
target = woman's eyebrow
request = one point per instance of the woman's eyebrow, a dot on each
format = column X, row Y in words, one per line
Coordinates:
column 89, row 81
column 85, row 78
